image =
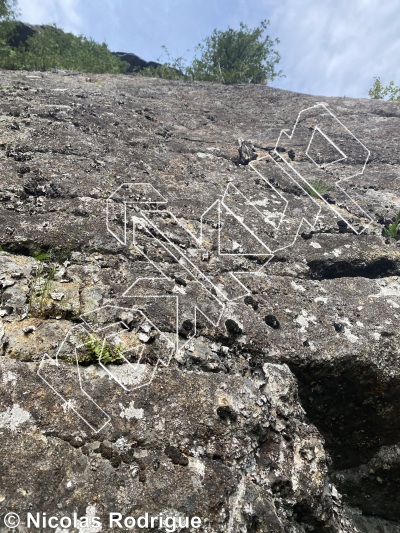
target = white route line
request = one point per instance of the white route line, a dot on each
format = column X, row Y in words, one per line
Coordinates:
column 340, row 180
column 119, row 200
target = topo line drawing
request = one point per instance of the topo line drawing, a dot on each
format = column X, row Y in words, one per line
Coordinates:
column 244, row 222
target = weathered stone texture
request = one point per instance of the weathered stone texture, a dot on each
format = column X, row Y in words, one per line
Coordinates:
column 277, row 418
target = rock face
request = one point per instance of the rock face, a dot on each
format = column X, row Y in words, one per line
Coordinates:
column 135, row 62
column 198, row 314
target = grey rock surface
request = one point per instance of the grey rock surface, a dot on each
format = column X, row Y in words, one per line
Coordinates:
column 279, row 413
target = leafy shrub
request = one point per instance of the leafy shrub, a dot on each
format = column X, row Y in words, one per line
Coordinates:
column 8, row 8
column 237, row 56
column 97, row 350
column 380, row 92
column 232, row 56
column 170, row 69
column 52, row 48
column 393, row 229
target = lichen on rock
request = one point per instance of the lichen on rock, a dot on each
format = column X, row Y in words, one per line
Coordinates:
column 273, row 412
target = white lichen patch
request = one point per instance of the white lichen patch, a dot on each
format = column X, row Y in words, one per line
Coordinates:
column 336, row 253
column 122, row 444
column 349, row 335
column 297, row 287
column 131, row 412
column 178, row 289
column 129, row 375
column 389, row 290
column 198, row 468
column 304, row 320
column 202, row 155
column 10, row 377
column 14, row 417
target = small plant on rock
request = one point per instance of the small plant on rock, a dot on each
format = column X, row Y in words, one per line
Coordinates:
column 318, row 188
column 42, row 255
column 41, row 287
column 393, row 229
column 97, row 350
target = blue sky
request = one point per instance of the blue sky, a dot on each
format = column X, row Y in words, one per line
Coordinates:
column 328, row 47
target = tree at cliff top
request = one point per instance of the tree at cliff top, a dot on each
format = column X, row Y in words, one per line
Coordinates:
column 382, row 92
column 233, row 56
column 237, row 56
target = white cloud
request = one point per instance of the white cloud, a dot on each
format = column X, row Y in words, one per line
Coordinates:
column 337, row 48
column 64, row 13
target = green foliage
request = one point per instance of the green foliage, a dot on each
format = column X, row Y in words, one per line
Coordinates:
column 40, row 289
column 8, row 9
column 381, row 92
column 7, row 14
column 232, row 56
column 170, row 69
column 52, row 48
column 43, row 280
column 237, row 56
column 42, row 255
column 98, row 350
column 393, row 230
column 8, row 88
column 318, row 188
column 51, row 255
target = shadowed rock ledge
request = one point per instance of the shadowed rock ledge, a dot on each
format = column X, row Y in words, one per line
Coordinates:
column 281, row 416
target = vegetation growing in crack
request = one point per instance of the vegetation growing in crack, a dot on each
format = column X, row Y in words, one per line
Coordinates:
column 40, row 289
column 42, row 283
column 42, row 255
column 318, row 188
column 98, row 350
column 393, row 229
